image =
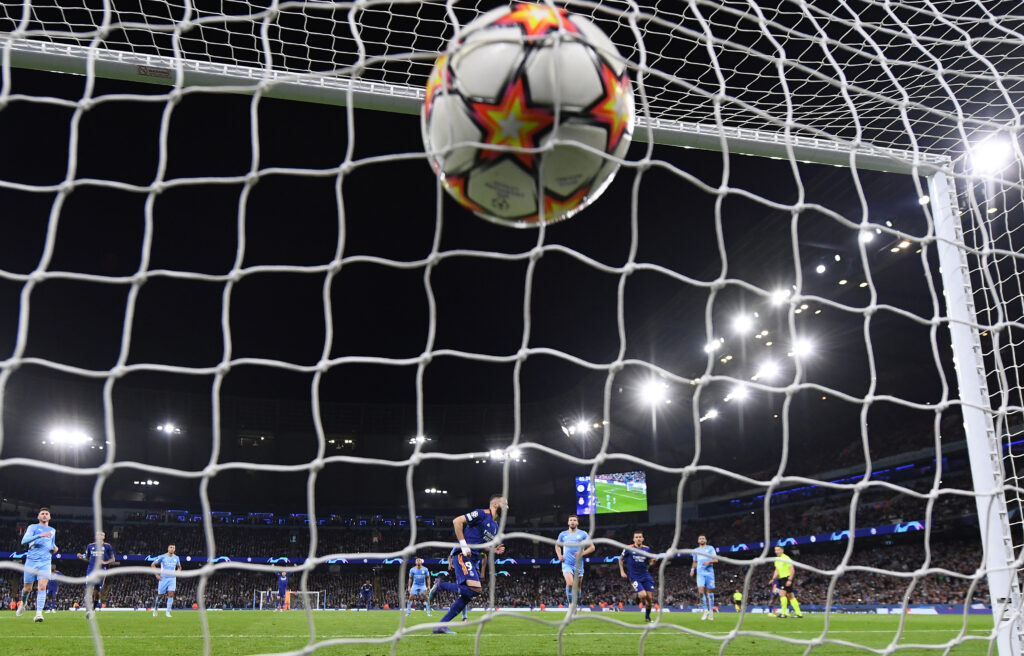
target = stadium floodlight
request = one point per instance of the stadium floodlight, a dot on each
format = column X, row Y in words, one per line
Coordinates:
column 710, row 414
column 802, row 347
column 923, row 200
column 743, row 323
column 169, row 429
column 780, row 296
column 420, row 439
column 654, row 392
column 714, row 345
column 820, row 268
column 991, row 155
column 738, row 393
column 768, row 370
column 866, row 236
column 582, row 427
column 68, row 437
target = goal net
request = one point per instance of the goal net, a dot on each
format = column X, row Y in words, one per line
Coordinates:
column 293, row 600
column 797, row 309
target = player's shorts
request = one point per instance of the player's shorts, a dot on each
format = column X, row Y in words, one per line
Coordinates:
column 784, row 589
column 167, row 585
column 645, row 582
column 418, row 589
column 41, row 570
column 51, row 594
column 98, row 585
column 574, row 568
column 706, row 579
column 467, row 569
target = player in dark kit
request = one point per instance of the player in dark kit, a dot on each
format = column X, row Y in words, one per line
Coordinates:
column 474, row 528
column 637, row 560
column 282, row 590
column 99, row 554
column 365, row 593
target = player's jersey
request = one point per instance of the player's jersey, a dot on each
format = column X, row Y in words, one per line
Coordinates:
column 51, row 587
column 480, row 527
column 97, row 554
column 419, row 576
column 366, row 590
column 168, row 565
column 572, row 547
column 636, row 564
column 703, row 556
column 783, row 567
column 40, row 540
column 282, row 583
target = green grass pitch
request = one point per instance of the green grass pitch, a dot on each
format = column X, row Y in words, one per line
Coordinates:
column 622, row 501
column 262, row 632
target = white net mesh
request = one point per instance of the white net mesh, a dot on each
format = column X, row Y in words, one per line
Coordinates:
column 247, row 249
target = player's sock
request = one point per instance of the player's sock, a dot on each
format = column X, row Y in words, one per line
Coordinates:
column 711, row 601
column 169, row 600
column 796, row 606
column 457, row 607
column 24, row 598
column 784, row 602
column 568, row 594
column 465, row 612
column 40, row 600
column 426, row 607
column 450, row 587
column 408, row 608
column 647, row 609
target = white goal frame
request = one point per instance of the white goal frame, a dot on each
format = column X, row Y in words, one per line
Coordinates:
column 268, row 598
column 940, row 170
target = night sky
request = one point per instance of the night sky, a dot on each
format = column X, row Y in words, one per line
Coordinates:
column 380, row 308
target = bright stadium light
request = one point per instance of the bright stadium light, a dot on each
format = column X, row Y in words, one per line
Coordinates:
column 169, row 429
column 991, row 155
column 779, row 296
column 654, row 392
column 768, row 370
column 743, row 323
column 582, row 427
column 802, row 348
column 68, row 437
column 710, row 414
column 820, row 268
column 866, row 236
column 714, row 345
column 738, row 393
column 420, row 439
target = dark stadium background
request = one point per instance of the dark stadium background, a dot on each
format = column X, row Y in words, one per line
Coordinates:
column 468, row 406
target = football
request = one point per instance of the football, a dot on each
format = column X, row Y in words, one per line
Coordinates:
column 526, row 115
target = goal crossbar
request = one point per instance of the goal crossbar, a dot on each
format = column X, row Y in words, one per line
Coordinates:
column 405, row 99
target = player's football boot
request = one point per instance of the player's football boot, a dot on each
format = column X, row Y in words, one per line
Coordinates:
column 444, row 629
column 21, row 609
column 38, row 617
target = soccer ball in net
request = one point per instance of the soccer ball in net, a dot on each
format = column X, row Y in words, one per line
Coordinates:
column 524, row 113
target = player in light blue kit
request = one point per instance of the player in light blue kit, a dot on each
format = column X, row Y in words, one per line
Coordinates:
column 472, row 529
column 169, row 565
column 41, row 541
column 99, row 554
column 419, row 583
column 572, row 557
column 704, row 559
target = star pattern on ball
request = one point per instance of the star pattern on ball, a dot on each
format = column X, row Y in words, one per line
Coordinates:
column 537, row 20
column 456, row 186
column 512, row 122
column 555, row 208
column 438, row 80
column 615, row 109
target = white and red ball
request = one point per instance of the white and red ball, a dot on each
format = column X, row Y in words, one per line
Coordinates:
column 524, row 113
